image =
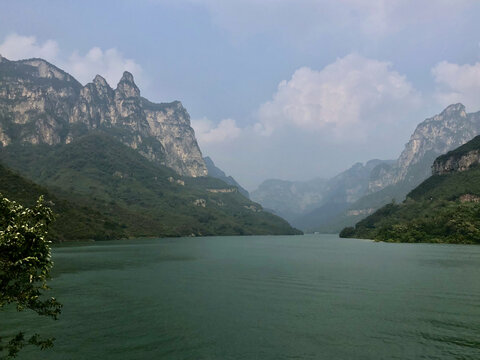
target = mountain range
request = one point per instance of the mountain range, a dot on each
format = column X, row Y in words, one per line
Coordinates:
column 379, row 184
column 111, row 152
column 443, row 208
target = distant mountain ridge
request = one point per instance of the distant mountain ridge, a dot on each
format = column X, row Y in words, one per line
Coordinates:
column 217, row 173
column 306, row 203
column 433, row 137
column 360, row 191
column 42, row 104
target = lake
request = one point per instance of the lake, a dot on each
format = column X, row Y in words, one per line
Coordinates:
column 262, row 297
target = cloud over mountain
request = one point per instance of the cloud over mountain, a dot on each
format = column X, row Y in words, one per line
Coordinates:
column 110, row 63
column 354, row 92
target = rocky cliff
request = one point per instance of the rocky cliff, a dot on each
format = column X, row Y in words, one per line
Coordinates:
column 461, row 159
column 443, row 208
column 217, row 173
column 432, row 137
column 41, row 104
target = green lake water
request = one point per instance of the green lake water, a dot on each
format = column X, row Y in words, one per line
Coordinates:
column 261, row 297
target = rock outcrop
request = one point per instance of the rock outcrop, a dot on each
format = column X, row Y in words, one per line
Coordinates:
column 434, row 136
column 461, row 159
column 453, row 164
column 215, row 172
column 41, row 104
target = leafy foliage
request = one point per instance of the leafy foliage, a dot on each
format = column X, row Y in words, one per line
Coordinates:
column 444, row 208
column 25, row 263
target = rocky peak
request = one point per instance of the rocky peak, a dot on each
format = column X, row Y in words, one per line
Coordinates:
column 100, row 82
column 432, row 137
column 1, row 58
column 58, row 109
column 452, row 110
column 127, row 87
column 100, row 87
column 47, row 70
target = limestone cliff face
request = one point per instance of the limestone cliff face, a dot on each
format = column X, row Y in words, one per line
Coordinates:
column 453, row 164
column 434, row 136
column 41, row 104
column 458, row 160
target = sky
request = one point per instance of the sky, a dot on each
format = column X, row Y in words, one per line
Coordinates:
column 288, row 89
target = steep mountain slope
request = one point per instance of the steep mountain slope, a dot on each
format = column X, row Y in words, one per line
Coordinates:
column 73, row 220
column 444, row 208
column 217, row 173
column 146, row 198
column 433, row 137
column 41, row 104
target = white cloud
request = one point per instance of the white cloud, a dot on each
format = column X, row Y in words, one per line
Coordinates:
column 16, row 47
column 109, row 63
column 207, row 132
column 347, row 98
column 458, row 83
column 315, row 119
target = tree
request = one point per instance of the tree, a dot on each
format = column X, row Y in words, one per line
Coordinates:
column 25, row 264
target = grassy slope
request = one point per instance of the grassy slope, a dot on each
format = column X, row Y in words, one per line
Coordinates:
column 119, row 183
column 432, row 212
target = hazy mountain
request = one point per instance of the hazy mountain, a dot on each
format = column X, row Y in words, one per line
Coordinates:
column 329, row 205
column 215, row 172
column 444, row 208
column 289, row 199
column 432, row 137
column 308, row 203
column 41, row 104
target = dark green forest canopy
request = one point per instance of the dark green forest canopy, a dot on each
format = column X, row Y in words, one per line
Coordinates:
column 104, row 189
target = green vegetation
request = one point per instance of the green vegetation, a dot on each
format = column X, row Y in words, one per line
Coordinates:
column 25, row 264
column 74, row 221
column 134, row 196
column 444, row 208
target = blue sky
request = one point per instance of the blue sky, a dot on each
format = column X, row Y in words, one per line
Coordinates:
column 291, row 89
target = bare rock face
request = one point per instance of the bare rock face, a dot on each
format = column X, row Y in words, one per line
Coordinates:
column 454, row 164
column 458, row 160
column 41, row 104
column 451, row 128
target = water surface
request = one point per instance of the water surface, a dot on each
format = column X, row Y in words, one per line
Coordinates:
column 262, row 297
